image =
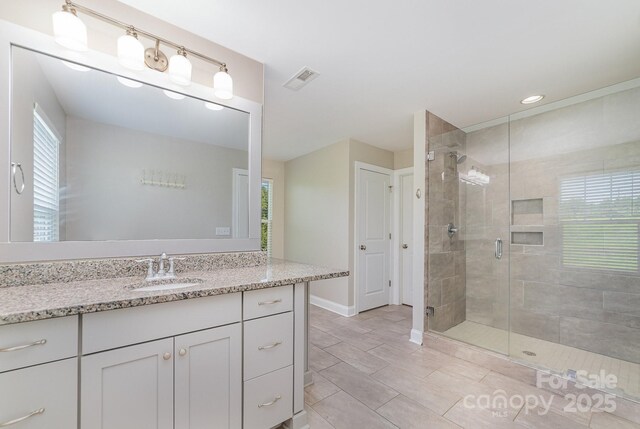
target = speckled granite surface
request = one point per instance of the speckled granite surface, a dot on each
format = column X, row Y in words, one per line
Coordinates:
column 43, row 301
column 91, row 269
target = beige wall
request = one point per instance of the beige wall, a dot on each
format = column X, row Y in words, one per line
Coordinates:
column 403, row 159
column 248, row 74
column 274, row 170
column 317, row 215
column 319, row 210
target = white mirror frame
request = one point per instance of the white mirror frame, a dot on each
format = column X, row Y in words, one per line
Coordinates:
column 15, row 35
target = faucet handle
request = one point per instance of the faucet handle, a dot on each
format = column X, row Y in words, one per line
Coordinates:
column 172, row 266
column 150, row 267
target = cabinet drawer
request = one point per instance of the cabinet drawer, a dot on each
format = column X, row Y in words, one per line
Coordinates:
column 268, row 400
column 111, row 329
column 32, row 343
column 50, row 387
column 265, row 302
column 268, row 344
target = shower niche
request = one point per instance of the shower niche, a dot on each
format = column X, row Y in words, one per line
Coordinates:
column 527, row 216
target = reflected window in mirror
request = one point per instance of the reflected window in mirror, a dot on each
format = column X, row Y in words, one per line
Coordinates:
column 46, row 173
column 267, row 215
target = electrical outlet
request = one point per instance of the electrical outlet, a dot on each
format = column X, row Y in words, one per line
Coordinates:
column 223, row 230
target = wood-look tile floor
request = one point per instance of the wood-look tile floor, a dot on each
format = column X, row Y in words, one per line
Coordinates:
column 368, row 375
column 557, row 357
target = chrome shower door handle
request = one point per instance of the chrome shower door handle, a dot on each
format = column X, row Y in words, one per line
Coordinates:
column 14, row 172
column 498, row 251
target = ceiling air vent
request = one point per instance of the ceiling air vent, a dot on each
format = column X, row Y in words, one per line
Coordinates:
column 300, row 79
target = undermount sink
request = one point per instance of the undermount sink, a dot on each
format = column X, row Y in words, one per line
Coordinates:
column 166, row 284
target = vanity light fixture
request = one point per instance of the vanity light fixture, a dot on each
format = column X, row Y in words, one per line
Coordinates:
column 76, row 67
column 173, row 95
column 70, row 32
column 532, row 99
column 213, row 106
column 180, row 68
column 130, row 50
column 128, row 82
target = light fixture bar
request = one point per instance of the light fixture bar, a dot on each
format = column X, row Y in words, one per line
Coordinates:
column 125, row 26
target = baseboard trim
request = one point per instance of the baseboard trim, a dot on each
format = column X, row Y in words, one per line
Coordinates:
column 416, row 337
column 334, row 307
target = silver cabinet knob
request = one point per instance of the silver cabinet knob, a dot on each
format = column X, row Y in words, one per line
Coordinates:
column 166, row 356
column 182, row 352
column 405, row 246
column 363, row 247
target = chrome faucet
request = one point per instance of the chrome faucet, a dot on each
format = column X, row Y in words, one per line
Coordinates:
column 161, row 274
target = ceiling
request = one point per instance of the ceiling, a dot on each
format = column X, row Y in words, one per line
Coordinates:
column 467, row 61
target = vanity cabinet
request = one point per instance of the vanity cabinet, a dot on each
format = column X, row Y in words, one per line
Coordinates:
column 128, row 388
column 40, row 397
column 39, row 374
column 193, row 378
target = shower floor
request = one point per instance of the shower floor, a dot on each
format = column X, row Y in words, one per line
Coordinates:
column 554, row 356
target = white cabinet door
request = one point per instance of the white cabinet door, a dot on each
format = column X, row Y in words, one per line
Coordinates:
column 40, row 397
column 208, row 377
column 128, row 388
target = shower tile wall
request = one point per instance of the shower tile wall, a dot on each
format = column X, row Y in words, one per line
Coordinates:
column 445, row 258
column 595, row 309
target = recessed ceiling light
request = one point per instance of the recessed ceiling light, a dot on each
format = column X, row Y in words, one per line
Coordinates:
column 128, row 82
column 532, row 99
column 213, row 106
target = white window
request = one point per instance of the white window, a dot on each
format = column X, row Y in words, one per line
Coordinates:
column 267, row 215
column 600, row 219
column 46, row 170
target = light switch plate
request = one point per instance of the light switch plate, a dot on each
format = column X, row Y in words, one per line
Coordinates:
column 223, row 230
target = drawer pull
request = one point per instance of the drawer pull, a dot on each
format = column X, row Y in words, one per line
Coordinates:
column 268, row 404
column 270, row 346
column 22, row 347
column 23, row 418
column 275, row 301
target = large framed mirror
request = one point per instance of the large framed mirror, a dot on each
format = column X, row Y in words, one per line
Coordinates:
column 105, row 163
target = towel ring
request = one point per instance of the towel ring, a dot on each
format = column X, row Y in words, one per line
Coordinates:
column 14, row 170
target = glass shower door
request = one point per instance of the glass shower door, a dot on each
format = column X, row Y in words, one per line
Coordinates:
column 468, row 233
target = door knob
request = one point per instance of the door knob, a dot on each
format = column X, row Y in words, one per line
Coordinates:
column 166, row 356
column 363, row 247
column 405, row 246
column 182, row 352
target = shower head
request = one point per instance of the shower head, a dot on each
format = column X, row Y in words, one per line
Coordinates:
column 459, row 158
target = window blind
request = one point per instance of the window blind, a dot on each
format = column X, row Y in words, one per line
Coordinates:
column 46, row 166
column 600, row 219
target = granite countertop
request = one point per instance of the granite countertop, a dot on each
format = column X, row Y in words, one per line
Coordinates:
column 43, row 301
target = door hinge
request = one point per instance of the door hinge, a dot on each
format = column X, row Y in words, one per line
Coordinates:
column 390, row 188
column 389, row 283
column 429, row 311
column 389, row 236
column 431, row 155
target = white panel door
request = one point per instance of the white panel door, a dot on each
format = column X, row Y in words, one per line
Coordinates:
column 406, row 238
column 373, row 240
column 128, row 388
column 208, row 377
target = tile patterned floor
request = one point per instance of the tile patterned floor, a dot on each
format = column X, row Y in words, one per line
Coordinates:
column 368, row 375
column 551, row 355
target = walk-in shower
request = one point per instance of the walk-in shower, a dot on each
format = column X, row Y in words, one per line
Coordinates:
column 557, row 190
